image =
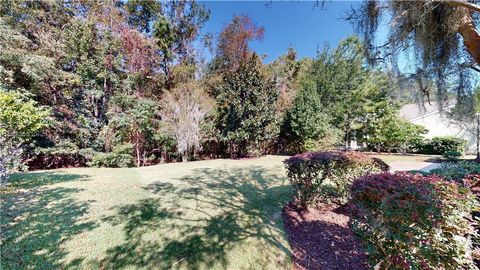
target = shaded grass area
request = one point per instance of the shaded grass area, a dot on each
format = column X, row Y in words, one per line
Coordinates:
column 212, row 215
column 36, row 221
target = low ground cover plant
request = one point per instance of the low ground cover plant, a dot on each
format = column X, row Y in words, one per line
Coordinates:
column 457, row 170
column 467, row 174
column 452, row 155
column 410, row 221
column 327, row 176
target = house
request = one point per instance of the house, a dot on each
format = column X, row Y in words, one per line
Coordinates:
column 437, row 122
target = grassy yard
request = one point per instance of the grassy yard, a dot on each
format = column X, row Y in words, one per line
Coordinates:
column 200, row 215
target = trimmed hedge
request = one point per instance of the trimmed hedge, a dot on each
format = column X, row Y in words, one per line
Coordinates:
column 327, row 176
column 440, row 145
column 412, row 221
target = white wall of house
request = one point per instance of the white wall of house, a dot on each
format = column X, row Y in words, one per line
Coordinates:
column 438, row 124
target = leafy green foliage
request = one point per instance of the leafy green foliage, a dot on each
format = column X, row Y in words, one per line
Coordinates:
column 246, row 108
column 393, row 134
column 107, row 71
column 141, row 13
column 20, row 119
column 177, row 27
column 132, row 120
column 308, row 122
column 456, row 171
column 327, row 176
column 80, row 58
column 440, row 145
column 452, row 155
column 120, row 157
column 63, row 154
column 340, row 98
column 414, row 222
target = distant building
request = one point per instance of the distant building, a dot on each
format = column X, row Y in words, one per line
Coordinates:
column 436, row 122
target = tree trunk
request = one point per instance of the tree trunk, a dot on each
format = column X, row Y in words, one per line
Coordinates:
column 347, row 136
column 477, row 159
column 137, row 149
column 470, row 35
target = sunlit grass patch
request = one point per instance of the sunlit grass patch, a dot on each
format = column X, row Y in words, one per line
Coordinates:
column 201, row 215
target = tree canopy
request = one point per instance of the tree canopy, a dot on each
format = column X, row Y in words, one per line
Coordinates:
column 441, row 36
column 125, row 83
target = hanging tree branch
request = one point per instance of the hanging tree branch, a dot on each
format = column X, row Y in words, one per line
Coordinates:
column 465, row 4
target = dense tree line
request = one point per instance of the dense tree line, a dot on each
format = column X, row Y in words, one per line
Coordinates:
column 123, row 83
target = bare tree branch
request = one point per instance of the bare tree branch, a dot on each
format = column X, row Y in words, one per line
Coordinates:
column 465, row 4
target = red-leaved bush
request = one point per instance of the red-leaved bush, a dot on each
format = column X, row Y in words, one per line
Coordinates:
column 410, row 221
column 327, row 176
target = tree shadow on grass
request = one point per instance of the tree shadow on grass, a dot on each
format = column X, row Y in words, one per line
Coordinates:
column 196, row 223
column 38, row 179
column 36, row 221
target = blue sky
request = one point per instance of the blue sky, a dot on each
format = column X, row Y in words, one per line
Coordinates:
column 298, row 24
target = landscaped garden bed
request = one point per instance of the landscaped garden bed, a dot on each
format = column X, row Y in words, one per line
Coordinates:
column 321, row 238
column 404, row 220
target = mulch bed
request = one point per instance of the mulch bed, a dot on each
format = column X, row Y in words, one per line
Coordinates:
column 322, row 239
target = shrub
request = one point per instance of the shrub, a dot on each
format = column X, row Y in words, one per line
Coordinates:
column 456, row 171
column 393, row 134
column 410, row 221
column 20, row 119
column 440, row 145
column 327, row 176
column 452, row 155
column 63, row 155
column 120, row 157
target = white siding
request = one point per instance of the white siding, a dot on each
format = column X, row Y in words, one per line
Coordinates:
column 439, row 126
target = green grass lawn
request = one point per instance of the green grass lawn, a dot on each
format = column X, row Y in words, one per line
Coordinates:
column 201, row 215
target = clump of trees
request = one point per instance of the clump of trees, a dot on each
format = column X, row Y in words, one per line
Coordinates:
column 124, row 85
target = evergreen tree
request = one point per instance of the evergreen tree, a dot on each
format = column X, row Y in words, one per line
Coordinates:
column 247, row 109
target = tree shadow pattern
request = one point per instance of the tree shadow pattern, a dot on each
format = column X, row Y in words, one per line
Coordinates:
column 38, row 179
column 36, row 221
column 200, row 220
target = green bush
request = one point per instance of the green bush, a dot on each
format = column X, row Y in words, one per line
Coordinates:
column 456, row 171
column 327, row 176
column 440, row 145
column 394, row 134
column 410, row 221
column 452, row 155
column 64, row 154
column 120, row 157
